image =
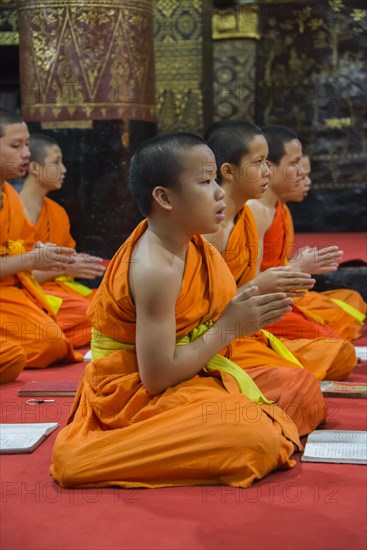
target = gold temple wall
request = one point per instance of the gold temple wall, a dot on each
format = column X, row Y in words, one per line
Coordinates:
column 312, row 77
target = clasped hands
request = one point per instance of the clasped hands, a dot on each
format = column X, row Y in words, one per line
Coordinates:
column 50, row 257
column 317, row 262
column 284, row 279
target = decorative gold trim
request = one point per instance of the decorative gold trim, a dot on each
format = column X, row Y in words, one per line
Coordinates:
column 239, row 22
column 9, row 38
column 338, row 122
column 59, row 124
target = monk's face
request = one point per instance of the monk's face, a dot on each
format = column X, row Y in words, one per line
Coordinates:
column 197, row 205
column 52, row 173
column 14, row 151
column 252, row 176
column 301, row 192
column 287, row 175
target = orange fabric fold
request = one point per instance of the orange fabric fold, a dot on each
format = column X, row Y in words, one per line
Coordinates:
column 24, row 313
column 53, row 225
column 201, row 431
column 279, row 239
column 328, row 358
column 278, row 247
column 241, row 254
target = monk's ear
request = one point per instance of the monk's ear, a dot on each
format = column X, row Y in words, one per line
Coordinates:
column 33, row 167
column 226, row 171
column 162, row 198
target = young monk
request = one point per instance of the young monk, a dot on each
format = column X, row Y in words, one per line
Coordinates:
column 241, row 152
column 156, row 405
column 51, row 223
column 276, row 229
column 30, row 336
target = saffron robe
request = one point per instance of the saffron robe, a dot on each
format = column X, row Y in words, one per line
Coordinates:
column 12, row 359
column 53, row 226
column 200, row 431
column 26, row 320
column 330, row 359
column 278, row 245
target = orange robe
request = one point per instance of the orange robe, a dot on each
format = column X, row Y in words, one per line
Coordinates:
column 200, row 431
column 27, row 325
column 331, row 359
column 12, row 359
column 53, row 226
column 278, row 246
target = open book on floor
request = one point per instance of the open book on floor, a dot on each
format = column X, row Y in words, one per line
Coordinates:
column 361, row 352
column 24, row 438
column 344, row 446
column 343, row 389
column 46, row 388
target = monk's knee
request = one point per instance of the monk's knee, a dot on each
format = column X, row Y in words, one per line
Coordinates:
column 12, row 362
column 345, row 361
column 235, row 423
column 307, row 407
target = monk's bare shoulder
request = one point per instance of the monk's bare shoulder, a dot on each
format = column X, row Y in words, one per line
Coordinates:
column 262, row 213
column 155, row 274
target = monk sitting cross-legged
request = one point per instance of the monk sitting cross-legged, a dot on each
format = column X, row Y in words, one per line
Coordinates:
column 51, row 223
column 29, row 334
column 342, row 310
column 241, row 152
column 164, row 401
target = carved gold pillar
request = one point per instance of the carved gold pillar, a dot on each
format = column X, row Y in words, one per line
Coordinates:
column 178, row 42
column 235, row 34
column 83, row 61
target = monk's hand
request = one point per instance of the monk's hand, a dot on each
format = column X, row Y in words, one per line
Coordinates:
column 49, row 257
column 86, row 266
column 284, row 279
column 248, row 312
column 317, row 262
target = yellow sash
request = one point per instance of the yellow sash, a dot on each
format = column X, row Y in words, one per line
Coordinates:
column 77, row 287
column 102, row 346
column 280, row 348
column 310, row 314
column 358, row 315
column 50, row 303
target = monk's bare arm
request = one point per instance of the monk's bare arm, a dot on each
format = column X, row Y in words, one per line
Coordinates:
column 263, row 219
column 162, row 364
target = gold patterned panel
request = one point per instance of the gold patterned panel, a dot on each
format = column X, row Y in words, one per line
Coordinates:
column 9, row 35
column 311, row 72
column 178, row 43
column 240, row 21
column 234, row 79
column 86, row 61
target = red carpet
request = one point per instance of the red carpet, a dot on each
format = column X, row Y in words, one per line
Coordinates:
column 313, row 506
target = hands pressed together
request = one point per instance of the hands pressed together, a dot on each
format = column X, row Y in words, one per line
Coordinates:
column 248, row 311
column 284, row 279
column 49, row 257
column 317, row 262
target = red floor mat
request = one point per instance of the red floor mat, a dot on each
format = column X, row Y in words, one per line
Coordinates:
column 313, row 506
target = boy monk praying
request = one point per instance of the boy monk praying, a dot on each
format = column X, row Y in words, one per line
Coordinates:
column 155, row 406
column 30, row 336
column 275, row 226
column 241, row 153
column 46, row 172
